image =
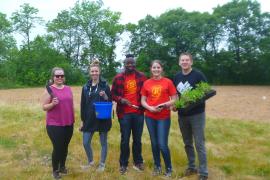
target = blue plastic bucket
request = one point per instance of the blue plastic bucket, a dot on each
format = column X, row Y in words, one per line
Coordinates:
column 103, row 110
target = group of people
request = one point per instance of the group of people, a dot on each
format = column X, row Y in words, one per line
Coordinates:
column 138, row 99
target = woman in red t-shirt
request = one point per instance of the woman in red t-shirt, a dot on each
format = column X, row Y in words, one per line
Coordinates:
column 158, row 95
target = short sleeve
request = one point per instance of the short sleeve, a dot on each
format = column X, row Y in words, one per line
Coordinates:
column 172, row 89
column 143, row 90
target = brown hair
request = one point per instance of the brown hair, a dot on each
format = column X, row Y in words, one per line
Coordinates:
column 186, row 54
column 158, row 62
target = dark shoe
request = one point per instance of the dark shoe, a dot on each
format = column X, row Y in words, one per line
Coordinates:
column 63, row 170
column 189, row 172
column 123, row 170
column 157, row 171
column 56, row 175
column 201, row 177
column 138, row 167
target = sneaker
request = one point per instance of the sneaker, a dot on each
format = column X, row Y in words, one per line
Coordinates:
column 63, row 170
column 190, row 171
column 101, row 167
column 138, row 167
column 123, row 170
column 157, row 171
column 87, row 166
column 56, row 175
column 201, row 177
column 168, row 173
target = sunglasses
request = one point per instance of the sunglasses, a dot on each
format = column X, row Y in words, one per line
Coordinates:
column 59, row 76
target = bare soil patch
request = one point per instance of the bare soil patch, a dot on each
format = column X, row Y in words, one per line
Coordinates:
column 240, row 102
column 231, row 102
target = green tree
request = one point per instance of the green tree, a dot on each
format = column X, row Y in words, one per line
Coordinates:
column 24, row 20
column 67, row 35
column 241, row 21
column 7, row 42
column 44, row 57
column 7, row 51
column 264, row 46
column 145, row 43
column 88, row 31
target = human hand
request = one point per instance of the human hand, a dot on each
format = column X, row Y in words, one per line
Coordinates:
column 134, row 106
column 80, row 128
column 55, row 101
column 103, row 94
column 173, row 108
column 154, row 109
column 161, row 106
column 125, row 101
column 167, row 105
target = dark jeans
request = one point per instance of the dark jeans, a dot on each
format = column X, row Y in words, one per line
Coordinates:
column 60, row 137
column 159, row 133
column 131, row 123
column 192, row 127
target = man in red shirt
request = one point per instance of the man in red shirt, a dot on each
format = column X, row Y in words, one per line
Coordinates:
column 126, row 89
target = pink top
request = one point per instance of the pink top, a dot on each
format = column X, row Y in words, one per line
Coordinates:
column 63, row 113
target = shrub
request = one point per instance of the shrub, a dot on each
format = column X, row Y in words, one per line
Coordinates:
column 192, row 96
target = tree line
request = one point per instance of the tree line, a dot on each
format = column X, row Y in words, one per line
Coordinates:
column 231, row 45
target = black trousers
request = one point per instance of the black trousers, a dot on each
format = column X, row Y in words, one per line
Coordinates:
column 60, row 137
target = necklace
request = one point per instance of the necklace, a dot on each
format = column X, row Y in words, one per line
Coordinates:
column 90, row 89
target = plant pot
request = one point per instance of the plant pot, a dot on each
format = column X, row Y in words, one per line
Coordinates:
column 208, row 95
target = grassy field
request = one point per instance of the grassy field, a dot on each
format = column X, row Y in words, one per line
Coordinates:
column 236, row 149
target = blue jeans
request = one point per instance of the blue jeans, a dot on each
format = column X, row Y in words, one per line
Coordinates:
column 192, row 127
column 131, row 123
column 159, row 133
column 87, row 138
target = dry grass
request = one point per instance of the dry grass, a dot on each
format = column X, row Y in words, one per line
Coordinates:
column 240, row 102
column 231, row 102
column 236, row 149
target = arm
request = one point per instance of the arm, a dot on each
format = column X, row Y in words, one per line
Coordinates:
column 150, row 108
column 73, row 104
column 106, row 94
column 172, row 95
column 115, row 95
column 47, row 102
column 169, row 103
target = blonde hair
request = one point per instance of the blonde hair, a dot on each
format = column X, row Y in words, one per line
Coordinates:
column 51, row 81
column 94, row 63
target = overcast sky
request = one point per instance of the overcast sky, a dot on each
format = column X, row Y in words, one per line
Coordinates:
column 132, row 10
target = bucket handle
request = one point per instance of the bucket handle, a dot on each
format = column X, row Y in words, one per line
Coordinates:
column 99, row 98
column 106, row 100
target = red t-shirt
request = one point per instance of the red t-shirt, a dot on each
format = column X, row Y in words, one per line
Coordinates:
column 157, row 92
column 130, row 89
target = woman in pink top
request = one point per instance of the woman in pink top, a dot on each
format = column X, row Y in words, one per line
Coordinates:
column 58, row 102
